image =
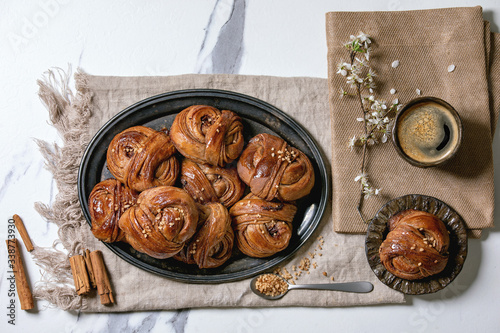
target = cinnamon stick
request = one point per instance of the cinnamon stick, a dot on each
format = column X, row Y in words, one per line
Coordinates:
column 80, row 275
column 90, row 269
column 16, row 266
column 101, row 278
column 23, row 232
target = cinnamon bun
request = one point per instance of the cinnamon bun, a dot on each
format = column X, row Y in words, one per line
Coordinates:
column 262, row 228
column 207, row 183
column 416, row 245
column 205, row 134
column 275, row 170
column 212, row 245
column 161, row 222
column 108, row 200
column 141, row 158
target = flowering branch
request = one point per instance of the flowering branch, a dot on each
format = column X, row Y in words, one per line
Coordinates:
column 376, row 115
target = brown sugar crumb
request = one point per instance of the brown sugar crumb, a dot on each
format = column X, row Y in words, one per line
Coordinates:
column 305, row 263
column 332, row 278
column 286, row 274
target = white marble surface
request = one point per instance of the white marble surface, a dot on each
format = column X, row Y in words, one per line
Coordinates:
column 281, row 37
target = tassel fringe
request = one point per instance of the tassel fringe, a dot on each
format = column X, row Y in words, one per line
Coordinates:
column 69, row 113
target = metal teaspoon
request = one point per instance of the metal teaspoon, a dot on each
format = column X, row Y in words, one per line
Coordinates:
column 353, row 287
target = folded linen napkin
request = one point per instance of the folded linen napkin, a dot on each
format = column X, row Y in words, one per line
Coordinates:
column 425, row 43
column 97, row 99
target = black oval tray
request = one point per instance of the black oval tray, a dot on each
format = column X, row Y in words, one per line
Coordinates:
column 258, row 117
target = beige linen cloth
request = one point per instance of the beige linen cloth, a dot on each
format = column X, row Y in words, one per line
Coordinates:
column 97, row 99
column 426, row 43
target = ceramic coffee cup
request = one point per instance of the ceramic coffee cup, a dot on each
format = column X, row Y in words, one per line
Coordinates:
column 427, row 132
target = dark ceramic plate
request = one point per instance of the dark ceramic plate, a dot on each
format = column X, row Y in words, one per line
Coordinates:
column 378, row 229
column 258, row 117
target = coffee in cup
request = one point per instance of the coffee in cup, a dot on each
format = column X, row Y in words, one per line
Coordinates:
column 427, row 131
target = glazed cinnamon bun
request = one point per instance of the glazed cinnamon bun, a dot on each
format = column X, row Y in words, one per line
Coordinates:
column 205, row 134
column 275, row 170
column 416, row 245
column 142, row 158
column 212, row 245
column 163, row 219
column 262, row 228
column 207, row 183
column 108, row 200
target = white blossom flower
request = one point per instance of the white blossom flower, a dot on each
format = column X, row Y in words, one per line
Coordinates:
column 342, row 92
column 363, row 177
column 386, row 132
column 374, row 120
column 352, row 142
column 392, row 91
column 343, row 68
column 377, row 105
column 384, row 138
column 360, row 62
column 359, row 44
column 363, row 37
column 351, row 80
column 369, row 191
column 367, row 54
